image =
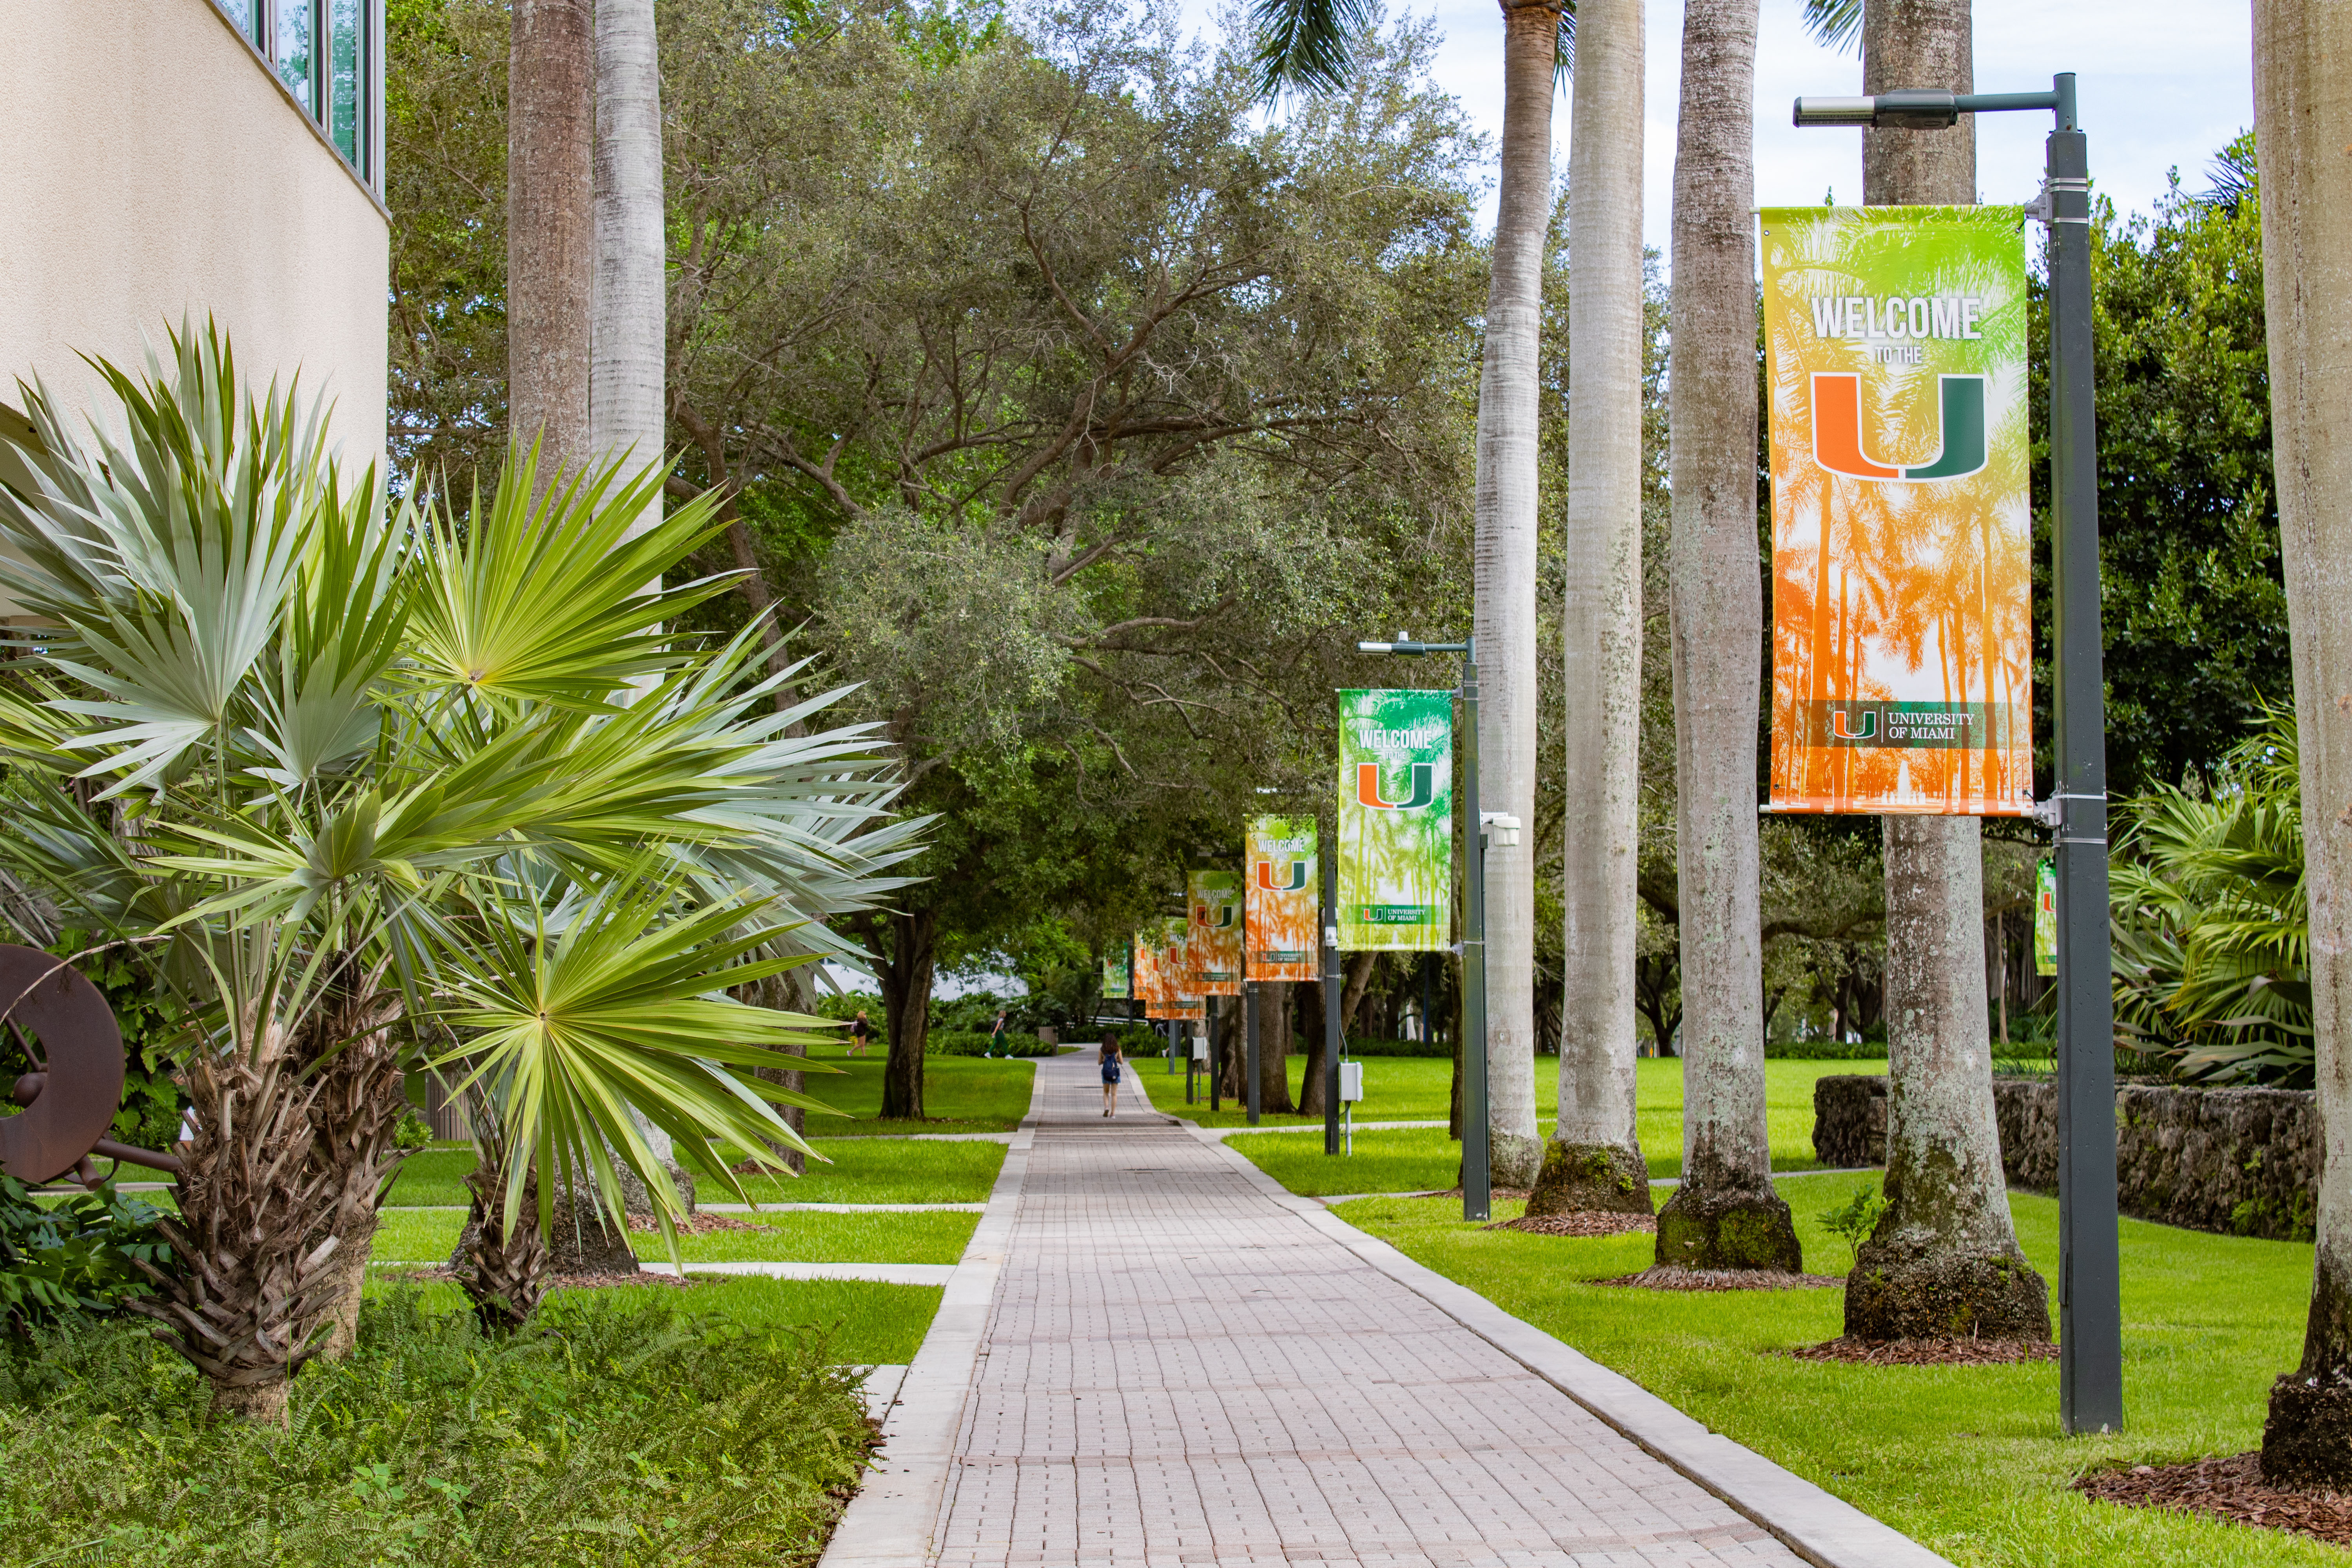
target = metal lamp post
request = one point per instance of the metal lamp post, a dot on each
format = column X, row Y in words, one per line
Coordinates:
column 1478, row 1184
column 2090, row 1312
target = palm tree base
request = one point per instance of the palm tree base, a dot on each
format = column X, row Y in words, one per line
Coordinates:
column 2307, row 1438
column 1728, row 1228
column 1591, row 1178
column 1920, row 1293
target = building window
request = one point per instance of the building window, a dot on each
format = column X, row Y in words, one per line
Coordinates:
column 330, row 55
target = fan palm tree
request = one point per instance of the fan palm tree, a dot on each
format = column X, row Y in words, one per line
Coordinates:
column 1725, row 1214
column 1311, row 44
column 2305, row 121
column 379, row 788
column 1944, row 1258
column 1594, row 1160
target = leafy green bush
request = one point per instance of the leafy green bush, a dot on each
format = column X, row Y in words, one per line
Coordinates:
column 1857, row 1217
column 1864, row 1050
column 73, row 1255
column 1401, row 1048
column 974, row 1043
column 615, row 1431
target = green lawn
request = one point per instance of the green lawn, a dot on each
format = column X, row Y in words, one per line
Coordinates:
column 789, row 1238
column 1424, row 1159
column 1967, row 1459
column 862, row 1171
column 961, row 1094
column 864, row 1323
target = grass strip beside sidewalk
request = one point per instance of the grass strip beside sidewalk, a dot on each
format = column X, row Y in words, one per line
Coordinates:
column 1968, row 1460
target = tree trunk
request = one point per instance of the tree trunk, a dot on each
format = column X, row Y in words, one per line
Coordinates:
column 905, row 973
column 550, row 228
column 1725, row 1214
column 2303, row 103
column 1594, row 1160
column 1944, row 1260
column 1274, row 1048
column 1506, row 571
column 626, row 394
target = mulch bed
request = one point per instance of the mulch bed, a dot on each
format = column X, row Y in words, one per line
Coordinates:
column 1500, row 1194
column 1657, row 1278
column 1927, row 1352
column 696, row 1223
column 2231, row 1489
column 563, row 1281
column 1581, row 1222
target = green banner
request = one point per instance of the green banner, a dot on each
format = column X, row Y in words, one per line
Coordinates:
column 2045, row 919
column 1115, row 986
column 1396, row 820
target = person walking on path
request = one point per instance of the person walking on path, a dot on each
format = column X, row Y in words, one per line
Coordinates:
column 860, row 1033
column 1111, row 1057
column 996, row 1038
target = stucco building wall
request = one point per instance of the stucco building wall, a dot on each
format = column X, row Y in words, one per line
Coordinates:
column 151, row 167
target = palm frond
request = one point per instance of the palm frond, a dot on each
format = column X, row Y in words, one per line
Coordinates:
column 1836, row 24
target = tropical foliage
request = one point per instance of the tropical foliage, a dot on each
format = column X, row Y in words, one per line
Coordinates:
column 2212, row 938
column 368, row 786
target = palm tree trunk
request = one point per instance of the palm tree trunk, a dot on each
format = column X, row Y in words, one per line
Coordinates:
column 1725, row 1214
column 1506, row 568
column 1594, row 1160
column 1944, row 1259
column 625, row 397
column 551, row 248
column 2302, row 100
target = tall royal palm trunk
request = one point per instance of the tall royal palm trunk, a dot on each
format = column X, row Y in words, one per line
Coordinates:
column 627, row 378
column 1725, row 1214
column 1944, row 1259
column 550, row 232
column 1506, row 568
column 1594, row 1160
column 2303, row 106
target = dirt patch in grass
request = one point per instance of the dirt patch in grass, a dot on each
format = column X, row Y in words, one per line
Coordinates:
column 1658, row 1277
column 1927, row 1352
column 1581, row 1222
column 2231, row 1489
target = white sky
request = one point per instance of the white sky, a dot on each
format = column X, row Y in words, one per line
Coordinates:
column 2161, row 83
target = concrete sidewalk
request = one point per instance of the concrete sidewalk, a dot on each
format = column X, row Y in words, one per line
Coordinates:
column 1181, row 1364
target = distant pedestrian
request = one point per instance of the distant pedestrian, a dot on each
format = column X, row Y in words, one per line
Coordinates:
column 1110, row 1057
column 996, row 1038
column 860, row 1033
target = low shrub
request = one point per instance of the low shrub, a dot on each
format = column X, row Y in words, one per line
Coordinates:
column 974, row 1043
column 615, row 1431
column 1402, row 1048
column 80, row 1254
column 1825, row 1050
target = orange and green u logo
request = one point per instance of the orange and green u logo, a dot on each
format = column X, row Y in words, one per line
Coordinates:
column 1837, row 430
column 1297, row 872
column 1424, row 779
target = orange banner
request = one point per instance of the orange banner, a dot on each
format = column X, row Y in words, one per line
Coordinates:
column 1282, row 897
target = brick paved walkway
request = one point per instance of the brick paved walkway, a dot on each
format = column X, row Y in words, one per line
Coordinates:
column 1176, row 1370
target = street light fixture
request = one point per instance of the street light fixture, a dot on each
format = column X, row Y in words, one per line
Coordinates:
column 2090, row 1312
column 1480, row 827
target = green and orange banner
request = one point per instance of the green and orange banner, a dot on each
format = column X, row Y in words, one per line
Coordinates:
column 1902, row 626
column 1183, row 992
column 1396, row 820
column 1281, row 897
column 1215, row 900
column 1115, row 981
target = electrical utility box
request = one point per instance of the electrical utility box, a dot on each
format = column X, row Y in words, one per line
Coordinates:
column 1200, row 1047
column 1351, row 1081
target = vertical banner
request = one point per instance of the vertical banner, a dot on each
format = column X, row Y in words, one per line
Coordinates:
column 1215, row 897
column 1902, row 626
column 1396, row 820
column 1115, row 984
column 1183, row 992
column 1151, row 987
column 2045, row 918
column 1281, row 897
